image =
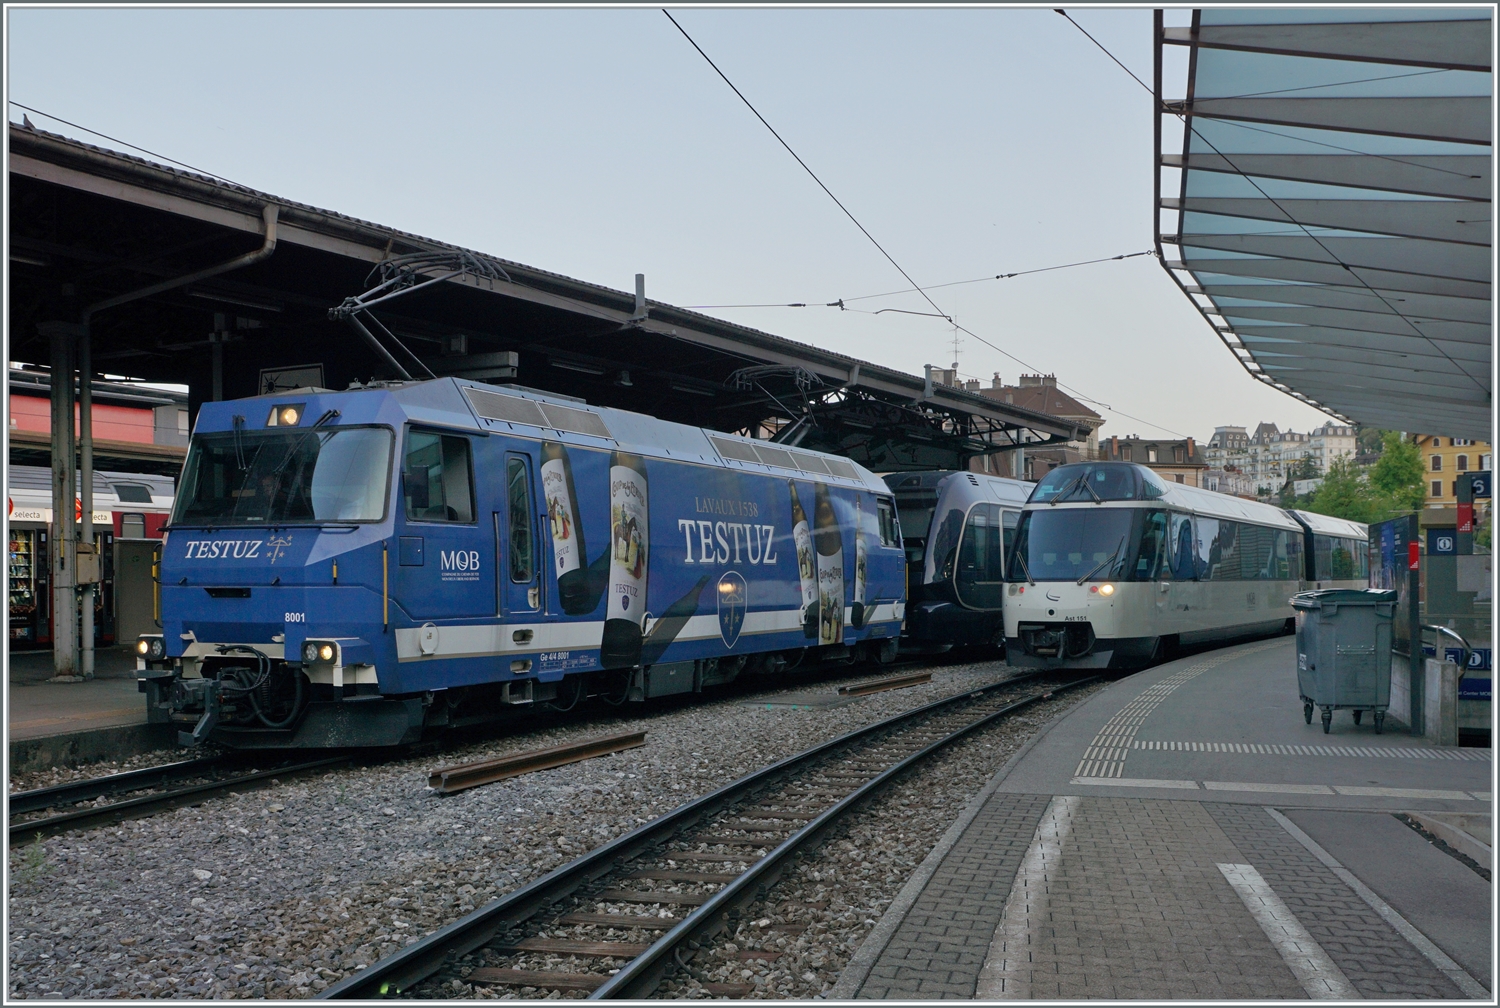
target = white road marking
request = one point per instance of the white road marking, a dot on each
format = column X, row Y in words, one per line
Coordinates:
column 1396, row 792
column 1136, row 782
column 1323, row 789
column 1274, row 749
column 1005, row 975
column 1307, row 960
column 1214, row 785
column 1467, row 984
column 1105, row 756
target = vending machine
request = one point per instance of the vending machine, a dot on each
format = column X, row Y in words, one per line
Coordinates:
column 28, row 587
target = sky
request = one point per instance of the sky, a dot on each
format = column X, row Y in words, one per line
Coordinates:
column 597, row 143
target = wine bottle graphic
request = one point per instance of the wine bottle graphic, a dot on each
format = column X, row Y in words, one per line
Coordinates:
column 568, row 552
column 629, row 548
column 830, row 547
column 807, row 569
column 861, row 569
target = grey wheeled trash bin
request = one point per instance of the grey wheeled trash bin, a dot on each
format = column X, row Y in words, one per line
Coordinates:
column 1344, row 651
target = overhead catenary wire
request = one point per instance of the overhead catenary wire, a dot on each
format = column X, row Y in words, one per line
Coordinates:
column 841, row 302
column 915, row 287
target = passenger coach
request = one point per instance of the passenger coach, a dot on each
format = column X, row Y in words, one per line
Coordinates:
column 353, row 568
column 1114, row 568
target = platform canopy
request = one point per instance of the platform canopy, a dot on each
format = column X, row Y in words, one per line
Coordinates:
column 1331, row 204
column 134, row 245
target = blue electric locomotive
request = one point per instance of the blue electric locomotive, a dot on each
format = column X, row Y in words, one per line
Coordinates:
column 354, row 568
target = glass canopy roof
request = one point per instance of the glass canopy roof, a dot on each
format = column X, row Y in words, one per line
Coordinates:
column 1331, row 204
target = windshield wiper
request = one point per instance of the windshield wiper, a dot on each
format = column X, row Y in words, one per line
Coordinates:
column 1025, row 569
column 239, row 444
column 1105, row 562
column 1093, row 493
column 1065, row 490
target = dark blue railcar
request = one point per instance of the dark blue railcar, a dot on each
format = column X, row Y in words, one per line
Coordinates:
column 957, row 528
column 354, row 568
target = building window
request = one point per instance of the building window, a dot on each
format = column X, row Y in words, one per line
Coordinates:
column 1150, row 454
column 1437, row 488
column 1437, row 463
column 1125, row 453
column 1462, row 465
column 1178, row 477
column 1177, row 455
column 1455, row 488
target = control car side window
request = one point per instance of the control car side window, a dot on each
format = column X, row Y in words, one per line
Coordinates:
column 437, row 478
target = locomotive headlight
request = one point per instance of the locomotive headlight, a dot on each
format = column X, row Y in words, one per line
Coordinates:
column 141, row 647
column 1106, row 589
column 151, row 647
column 318, row 651
column 285, row 415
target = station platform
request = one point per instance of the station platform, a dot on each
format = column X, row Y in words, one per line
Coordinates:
column 63, row 723
column 1184, row 834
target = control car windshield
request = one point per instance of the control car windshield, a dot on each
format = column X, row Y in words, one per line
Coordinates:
column 286, row 477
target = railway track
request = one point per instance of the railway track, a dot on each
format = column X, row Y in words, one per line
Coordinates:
column 673, row 885
column 225, row 775
column 215, row 775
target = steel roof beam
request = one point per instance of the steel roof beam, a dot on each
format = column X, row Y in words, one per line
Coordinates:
column 1415, row 255
column 1304, row 272
column 1360, row 299
column 1459, row 119
column 1451, row 176
column 1447, row 45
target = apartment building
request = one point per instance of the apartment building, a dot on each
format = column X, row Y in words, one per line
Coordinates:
column 1178, row 461
column 1444, row 459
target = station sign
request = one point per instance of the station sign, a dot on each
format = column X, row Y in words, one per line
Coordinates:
column 1479, row 658
column 1480, row 481
column 1442, row 542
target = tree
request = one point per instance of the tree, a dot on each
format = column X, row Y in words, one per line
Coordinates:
column 1344, row 493
column 1398, row 476
column 1369, row 440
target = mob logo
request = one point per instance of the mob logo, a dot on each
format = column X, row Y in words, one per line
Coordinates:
column 732, row 592
column 460, row 560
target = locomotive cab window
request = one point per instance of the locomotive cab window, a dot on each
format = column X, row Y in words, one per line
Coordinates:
column 978, row 577
column 890, row 535
column 437, row 478
column 518, row 496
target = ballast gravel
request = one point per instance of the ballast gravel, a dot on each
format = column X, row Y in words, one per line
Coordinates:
column 279, row 893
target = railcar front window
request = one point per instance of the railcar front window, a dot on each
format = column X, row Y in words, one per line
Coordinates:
column 1066, row 544
column 1108, row 482
column 256, row 477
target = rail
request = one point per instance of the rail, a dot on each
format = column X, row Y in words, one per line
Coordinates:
column 408, row 966
column 26, row 830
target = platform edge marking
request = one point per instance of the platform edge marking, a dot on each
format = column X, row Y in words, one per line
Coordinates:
column 1315, row 971
column 1460, row 977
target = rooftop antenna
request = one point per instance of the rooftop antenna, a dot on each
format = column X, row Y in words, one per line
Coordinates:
column 956, row 341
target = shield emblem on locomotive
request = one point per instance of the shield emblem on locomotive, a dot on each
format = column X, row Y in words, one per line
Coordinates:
column 732, row 592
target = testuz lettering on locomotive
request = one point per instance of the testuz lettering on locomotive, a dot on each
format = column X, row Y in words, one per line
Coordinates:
column 358, row 568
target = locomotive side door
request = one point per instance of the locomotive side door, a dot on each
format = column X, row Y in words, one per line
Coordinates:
column 438, row 566
column 518, row 559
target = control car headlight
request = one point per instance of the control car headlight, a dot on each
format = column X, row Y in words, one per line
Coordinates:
column 325, row 653
column 153, row 648
column 1106, row 589
column 142, row 648
column 309, row 652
